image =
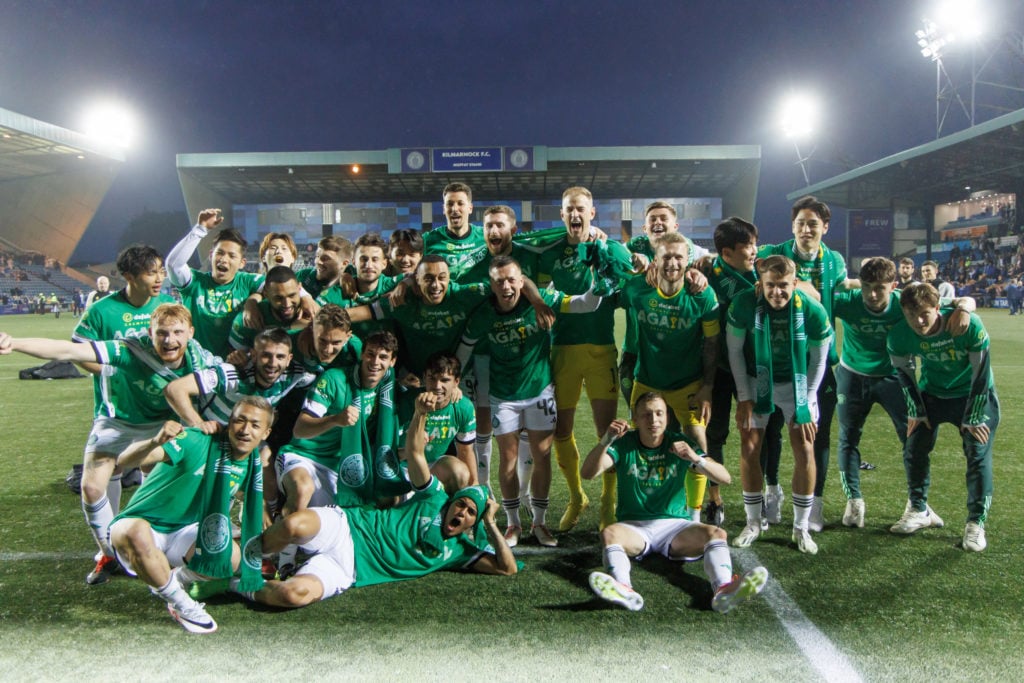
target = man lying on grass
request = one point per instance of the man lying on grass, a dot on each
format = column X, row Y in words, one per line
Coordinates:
column 650, row 464
column 441, row 526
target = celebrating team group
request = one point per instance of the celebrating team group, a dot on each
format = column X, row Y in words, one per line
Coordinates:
column 351, row 407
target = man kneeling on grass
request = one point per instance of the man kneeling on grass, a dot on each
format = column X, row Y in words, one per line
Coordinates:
column 651, row 465
column 180, row 515
column 354, row 547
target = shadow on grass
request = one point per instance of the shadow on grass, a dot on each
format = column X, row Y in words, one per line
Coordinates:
column 682, row 575
column 575, row 569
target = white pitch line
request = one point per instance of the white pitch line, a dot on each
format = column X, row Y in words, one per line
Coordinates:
column 819, row 651
column 53, row 557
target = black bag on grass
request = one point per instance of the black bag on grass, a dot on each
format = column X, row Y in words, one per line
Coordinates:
column 55, row 369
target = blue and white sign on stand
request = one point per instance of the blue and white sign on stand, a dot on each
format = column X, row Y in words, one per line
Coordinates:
column 519, row 159
column 416, row 160
column 463, row 159
column 466, row 159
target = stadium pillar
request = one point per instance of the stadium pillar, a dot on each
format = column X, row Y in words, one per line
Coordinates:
column 426, row 216
column 929, row 233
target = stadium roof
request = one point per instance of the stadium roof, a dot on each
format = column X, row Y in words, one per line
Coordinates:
column 52, row 180
column 988, row 156
column 727, row 171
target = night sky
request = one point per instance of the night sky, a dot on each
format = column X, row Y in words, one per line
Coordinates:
column 273, row 76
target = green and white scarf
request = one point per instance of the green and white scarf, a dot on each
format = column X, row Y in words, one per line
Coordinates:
column 213, row 542
column 382, row 473
column 825, row 272
column 825, row 269
column 539, row 240
column 611, row 262
column 727, row 279
column 764, row 402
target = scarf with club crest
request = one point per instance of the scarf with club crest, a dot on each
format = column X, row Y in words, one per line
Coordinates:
column 213, row 542
column 369, row 466
column 763, row 402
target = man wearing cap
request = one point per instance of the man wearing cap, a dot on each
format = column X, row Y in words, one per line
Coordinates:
column 442, row 526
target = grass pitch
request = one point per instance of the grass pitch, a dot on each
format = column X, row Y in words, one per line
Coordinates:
column 916, row 608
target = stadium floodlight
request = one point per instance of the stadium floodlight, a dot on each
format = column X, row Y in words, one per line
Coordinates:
column 110, row 123
column 799, row 121
column 799, row 115
column 955, row 24
column 932, row 40
column 962, row 19
column 953, row 21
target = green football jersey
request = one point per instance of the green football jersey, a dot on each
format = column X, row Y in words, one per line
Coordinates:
column 335, row 295
column 348, row 357
column 145, row 375
column 520, row 350
column 307, row 279
column 526, row 257
column 461, row 253
column 115, row 318
column 243, row 336
column 456, row 421
column 221, row 386
column 331, row 394
column 651, row 480
column 560, row 265
column 641, row 244
column 428, row 329
column 816, row 327
column 944, row 360
column 864, row 332
column 389, row 545
column 671, row 332
column 728, row 283
column 814, row 270
column 171, row 497
column 214, row 307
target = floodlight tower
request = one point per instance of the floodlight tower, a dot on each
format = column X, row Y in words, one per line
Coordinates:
column 798, row 120
column 993, row 80
column 110, row 123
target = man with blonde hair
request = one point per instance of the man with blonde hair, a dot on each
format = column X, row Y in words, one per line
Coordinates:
column 791, row 336
column 583, row 354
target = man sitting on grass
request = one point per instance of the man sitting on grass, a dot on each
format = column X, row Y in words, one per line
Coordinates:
column 650, row 464
column 354, row 547
column 179, row 518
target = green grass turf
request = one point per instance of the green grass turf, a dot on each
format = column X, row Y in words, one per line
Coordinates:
column 913, row 608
